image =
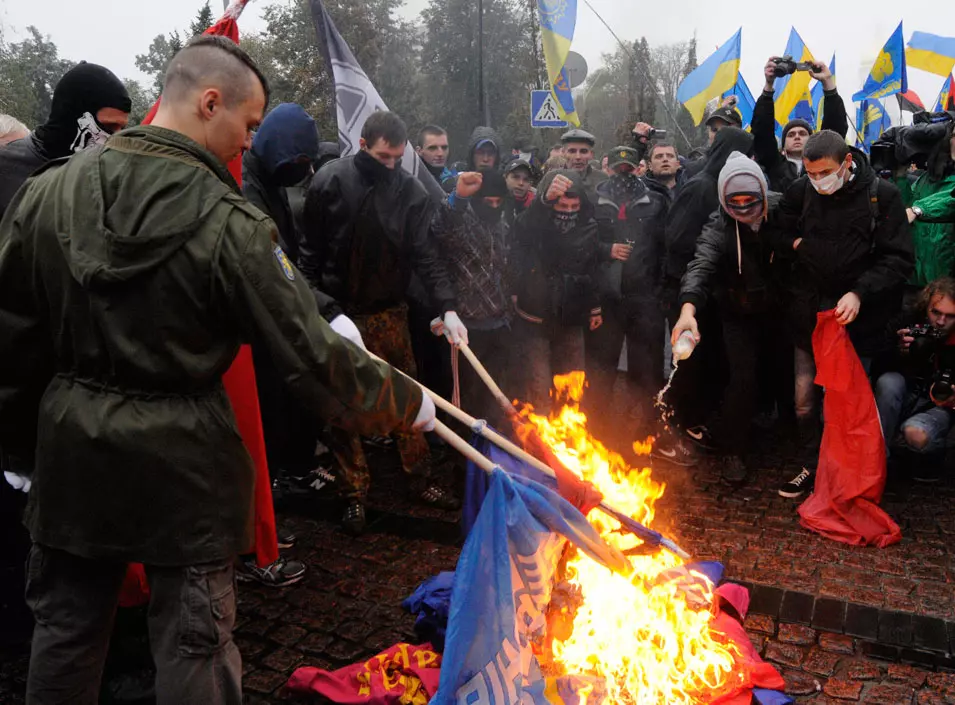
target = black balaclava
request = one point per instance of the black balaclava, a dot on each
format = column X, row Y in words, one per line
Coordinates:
column 80, row 94
column 492, row 185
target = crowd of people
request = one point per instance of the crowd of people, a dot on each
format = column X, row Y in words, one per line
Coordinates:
column 132, row 266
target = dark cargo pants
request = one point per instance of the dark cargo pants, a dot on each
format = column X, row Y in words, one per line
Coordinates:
column 191, row 615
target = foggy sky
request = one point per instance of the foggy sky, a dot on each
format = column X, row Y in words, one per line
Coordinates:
column 111, row 32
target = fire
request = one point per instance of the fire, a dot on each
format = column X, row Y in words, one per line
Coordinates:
column 638, row 634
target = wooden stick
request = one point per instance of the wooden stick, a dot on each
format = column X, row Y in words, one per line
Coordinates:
column 485, row 376
column 463, row 447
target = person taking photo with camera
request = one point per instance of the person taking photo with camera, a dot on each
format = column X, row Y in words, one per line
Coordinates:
column 916, row 398
column 783, row 165
column 930, row 202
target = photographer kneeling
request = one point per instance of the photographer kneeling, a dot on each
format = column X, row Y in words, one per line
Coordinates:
column 918, row 396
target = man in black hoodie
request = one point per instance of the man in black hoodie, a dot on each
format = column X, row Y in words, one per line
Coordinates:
column 554, row 273
column 698, row 388
column 732, row 264
column 631, row 216
column 89, row 104
column 484, row 152
column 847, row 235
column 783, row 166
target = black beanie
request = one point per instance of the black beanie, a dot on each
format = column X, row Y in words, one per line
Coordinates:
column 798, row 122
column 85, row 88
column 492, row 184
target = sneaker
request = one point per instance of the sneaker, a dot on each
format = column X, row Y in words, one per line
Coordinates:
column 799, row 485
column 353, row 520
column 278, row 574
column 733, row 471
column 674, row 450
column 286, row 538
column 435, row 496
column 701, row 437
column 320, row 479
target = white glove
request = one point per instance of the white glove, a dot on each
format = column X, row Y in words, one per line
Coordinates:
column 454, row 329
column 23, row 483
column 425, row 419
column 347, row 329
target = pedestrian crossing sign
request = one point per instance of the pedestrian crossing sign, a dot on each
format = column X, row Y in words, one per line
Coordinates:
column 544, row 112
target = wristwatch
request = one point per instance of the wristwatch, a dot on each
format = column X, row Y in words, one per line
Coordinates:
column 917, row 211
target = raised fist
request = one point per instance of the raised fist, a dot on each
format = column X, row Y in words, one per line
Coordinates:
column 558, row 187
column 469, row 183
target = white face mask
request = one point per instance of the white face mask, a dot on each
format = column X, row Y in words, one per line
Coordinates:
column 828, row 185
column 89, row 133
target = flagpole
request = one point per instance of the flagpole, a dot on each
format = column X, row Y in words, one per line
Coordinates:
column 626, row 50
column 483, row 107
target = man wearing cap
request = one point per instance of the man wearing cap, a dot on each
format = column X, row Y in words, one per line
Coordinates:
column 578, row 150
column 518, row 175
column 725, row 116
column 472, row 236
column 783, row 166
column 631, row 218
column 733, row 265
column 89, row 104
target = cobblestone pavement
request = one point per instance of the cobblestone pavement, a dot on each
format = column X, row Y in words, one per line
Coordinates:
column 348, row 606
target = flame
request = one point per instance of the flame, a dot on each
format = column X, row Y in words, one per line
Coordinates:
column 639, row 635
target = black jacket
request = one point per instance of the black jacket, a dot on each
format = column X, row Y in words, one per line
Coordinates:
column 778, row 168
column 554, row 274
column 639, row 218
column 368, row 228
column 841, row 252
column 697, row 200
column 478, row 135
column 18, row 160
column 732, row 264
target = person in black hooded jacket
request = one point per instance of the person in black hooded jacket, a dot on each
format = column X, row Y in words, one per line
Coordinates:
column 554, row 278
column 733, row 264
column 846, row 233
column 631, row 215
column 89, row 104
column 697, row 390
column 484, row 152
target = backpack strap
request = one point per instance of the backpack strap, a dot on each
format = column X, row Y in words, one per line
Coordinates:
column 873, row 204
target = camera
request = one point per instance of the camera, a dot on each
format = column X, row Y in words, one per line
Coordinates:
column 882, row 158
column 656, row 134
column 942, row 389
column 786, row 65
column 909, row 144
column 926, row 337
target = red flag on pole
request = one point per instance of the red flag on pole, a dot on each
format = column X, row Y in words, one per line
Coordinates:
column 239, row 382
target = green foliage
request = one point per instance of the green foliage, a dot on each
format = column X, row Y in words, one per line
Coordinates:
column 161, row 50
column 141, row 98
column 29, row 70
column 203, row 21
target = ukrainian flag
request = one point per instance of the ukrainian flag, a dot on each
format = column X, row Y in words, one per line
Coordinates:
column 871, row 121
column 818, row 93
column 745, row 104
column 887, row 75
column 945, row 96
column 931, row 53
column 712, row 78
column 558, row 22
column 792, row 90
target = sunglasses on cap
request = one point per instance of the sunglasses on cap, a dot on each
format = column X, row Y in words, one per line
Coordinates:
column 744, row 201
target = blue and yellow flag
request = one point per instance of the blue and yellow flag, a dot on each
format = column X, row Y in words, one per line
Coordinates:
column 712, row 78
column 888, row 75
column 931, row 53
column 745, row 104
column 946, row 96
column 793, row 90
column 818, row 93
column 871, row 121
column 558, row 21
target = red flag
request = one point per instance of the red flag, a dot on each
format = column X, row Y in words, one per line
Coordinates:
column 239, row 383
column 910, row 102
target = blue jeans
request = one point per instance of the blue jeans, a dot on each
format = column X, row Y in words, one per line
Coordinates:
column 900, row 401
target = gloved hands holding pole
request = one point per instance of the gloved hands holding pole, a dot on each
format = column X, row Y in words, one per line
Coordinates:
column 452, row 327
column 347, row 329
